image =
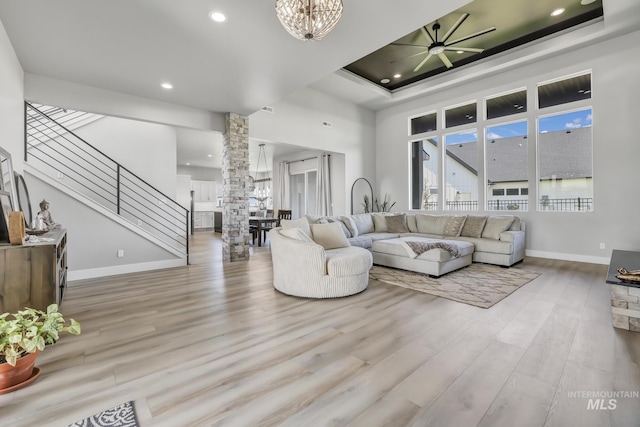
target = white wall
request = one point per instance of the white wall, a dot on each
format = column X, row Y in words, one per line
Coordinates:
column 146, row 149
column 93, row 240
column 615, row 108
column 298, row 119
column 11, row 102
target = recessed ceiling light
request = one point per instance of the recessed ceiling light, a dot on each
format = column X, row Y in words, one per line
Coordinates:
column 459, row 51
column 188, row 164
column 209, row 155
column 397, row 76
column 557, row 12
column 385, row 81
column 217, row 16
column 167, row 86
column 586, row 2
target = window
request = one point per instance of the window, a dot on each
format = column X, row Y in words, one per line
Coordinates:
column 461, row 115
column 424, row 167
column 565, row 161
column 498, row 191
column 564, row 91
column 507, row 104
column 461, row 172
column 422, row 124
column 302, row 193
column 506, row 154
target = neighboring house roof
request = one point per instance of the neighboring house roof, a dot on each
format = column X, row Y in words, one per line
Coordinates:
column 561, row 154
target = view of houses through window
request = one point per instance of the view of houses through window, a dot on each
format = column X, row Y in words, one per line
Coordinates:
column 563, row 147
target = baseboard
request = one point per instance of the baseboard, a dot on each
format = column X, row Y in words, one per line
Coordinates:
column 569, row 257
column 93, row 273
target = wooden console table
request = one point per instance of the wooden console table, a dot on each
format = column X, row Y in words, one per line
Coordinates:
column 34, row 274
column 625, row 296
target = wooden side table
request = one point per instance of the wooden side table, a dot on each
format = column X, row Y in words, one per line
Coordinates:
column 625, row 296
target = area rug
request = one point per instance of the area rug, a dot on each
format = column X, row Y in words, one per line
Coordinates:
column 481, row 285
column 121, row 416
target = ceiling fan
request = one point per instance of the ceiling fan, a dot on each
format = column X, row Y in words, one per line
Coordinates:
column 438, row 47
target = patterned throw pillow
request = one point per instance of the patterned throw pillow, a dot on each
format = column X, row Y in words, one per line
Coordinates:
column 473, row 226
column 454, row 225
column 396, row 223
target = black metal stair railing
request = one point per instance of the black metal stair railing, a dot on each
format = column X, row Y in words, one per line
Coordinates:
column 58, row 152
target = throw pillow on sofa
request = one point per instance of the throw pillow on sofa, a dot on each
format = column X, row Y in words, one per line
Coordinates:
column 431, row 224
column 296, row 233
column 327, row 219
column 473, row 226
column 379, row 222
column 496, row 225
column 411, row 223
column 353, row 229
column 329, row 236
column 454, row 225
column 301, row 223
column 364, row 223
column 396, row 223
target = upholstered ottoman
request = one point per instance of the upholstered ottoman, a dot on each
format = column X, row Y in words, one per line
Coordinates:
column 423, row 255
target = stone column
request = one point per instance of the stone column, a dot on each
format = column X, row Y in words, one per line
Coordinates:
column 235, row 173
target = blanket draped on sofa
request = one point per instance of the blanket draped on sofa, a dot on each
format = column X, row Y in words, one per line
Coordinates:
column 419, row 247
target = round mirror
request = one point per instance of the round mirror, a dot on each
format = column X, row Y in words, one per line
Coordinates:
column 24, row 204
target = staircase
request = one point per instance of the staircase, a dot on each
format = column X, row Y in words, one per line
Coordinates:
column 53, row 152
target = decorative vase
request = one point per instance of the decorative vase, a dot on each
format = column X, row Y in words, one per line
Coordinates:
column 11, row 376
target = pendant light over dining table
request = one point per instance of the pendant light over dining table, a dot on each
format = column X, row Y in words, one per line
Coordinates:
column 262, row 190
column 309, row 19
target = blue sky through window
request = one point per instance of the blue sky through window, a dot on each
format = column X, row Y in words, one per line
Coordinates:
column 564, row 121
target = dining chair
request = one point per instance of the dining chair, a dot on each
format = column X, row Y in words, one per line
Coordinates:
column 283, row 214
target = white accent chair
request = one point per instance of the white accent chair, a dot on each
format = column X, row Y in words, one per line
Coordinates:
column 304, row 268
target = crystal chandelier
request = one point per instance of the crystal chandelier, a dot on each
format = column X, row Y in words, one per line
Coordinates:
column 309, row 19
column 262, row 190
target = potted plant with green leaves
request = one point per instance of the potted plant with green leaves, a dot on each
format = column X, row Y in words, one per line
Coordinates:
column 22, row 336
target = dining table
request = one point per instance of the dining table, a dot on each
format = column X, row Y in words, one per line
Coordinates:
column 260, row 223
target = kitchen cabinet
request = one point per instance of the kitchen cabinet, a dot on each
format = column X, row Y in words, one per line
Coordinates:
column 203, row 219
column 204, row 191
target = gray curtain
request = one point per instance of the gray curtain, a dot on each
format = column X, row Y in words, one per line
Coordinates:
column 323, row 193
column 283, row 188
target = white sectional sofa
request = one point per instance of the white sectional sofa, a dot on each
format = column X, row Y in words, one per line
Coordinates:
column 497, row 239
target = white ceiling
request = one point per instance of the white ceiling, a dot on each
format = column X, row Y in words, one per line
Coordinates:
column 239, row 66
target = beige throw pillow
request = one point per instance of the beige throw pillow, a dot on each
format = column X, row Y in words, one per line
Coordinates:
column 496, row 225
column 379, row 222
column 396, row 223
column 473, row 226
column 295, row 233
column 329, row 236
column 431, row 224
column 301, row 223
column 454, row 225
column 411, row 223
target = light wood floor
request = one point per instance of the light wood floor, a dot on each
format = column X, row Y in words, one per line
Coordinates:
column 215, row 344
